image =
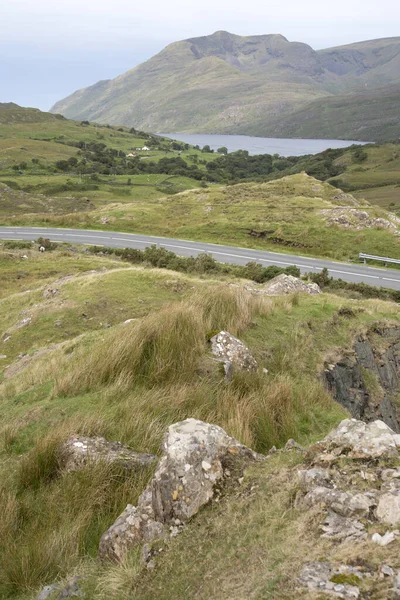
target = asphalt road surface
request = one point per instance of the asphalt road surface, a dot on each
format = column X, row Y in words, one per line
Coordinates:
column 389, row 278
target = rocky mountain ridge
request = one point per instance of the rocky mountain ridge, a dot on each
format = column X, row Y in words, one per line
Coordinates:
column 225, row 83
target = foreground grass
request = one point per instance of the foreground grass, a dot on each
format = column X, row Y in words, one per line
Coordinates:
column 128, row 383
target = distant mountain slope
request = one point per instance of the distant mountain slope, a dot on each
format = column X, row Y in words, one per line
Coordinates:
column 228, row 83
column 11, row 113
column 368, row 115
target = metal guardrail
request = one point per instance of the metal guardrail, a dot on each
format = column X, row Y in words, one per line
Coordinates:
column 386, row 260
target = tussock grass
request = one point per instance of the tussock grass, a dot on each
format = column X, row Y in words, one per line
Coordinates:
column 162, row 347
column 129, row 383
column 50, row 519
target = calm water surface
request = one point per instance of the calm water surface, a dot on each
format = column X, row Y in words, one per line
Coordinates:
column 259, row 145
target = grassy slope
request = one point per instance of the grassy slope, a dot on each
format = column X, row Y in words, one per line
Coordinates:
column 283, row 215
column 101, row 384
column 29, row 134
column 369, row 115
column 377, row 178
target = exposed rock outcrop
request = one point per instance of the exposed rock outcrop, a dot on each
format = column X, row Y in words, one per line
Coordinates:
column 366, row 379
column 197, row 459
column 79, row 451
column 346, row 480
column 320, row 577
column 287, row 284
column 350, row 505
column 354, row 218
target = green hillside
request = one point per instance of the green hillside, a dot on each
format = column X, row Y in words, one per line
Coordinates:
column 224, row 83
column 369, row 115
column 71, row 365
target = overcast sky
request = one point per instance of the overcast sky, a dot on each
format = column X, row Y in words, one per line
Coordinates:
column 50, row 48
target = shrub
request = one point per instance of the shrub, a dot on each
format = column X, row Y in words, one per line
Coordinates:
column 203, row 263
column 363, row 289
column 46, row 244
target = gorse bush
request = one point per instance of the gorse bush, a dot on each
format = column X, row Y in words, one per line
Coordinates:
column 363, row 289
column 202, row 264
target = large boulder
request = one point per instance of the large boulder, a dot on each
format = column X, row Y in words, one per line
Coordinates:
column 197, row 458
column 79, row 451
column 232, row 353
column 287, row 284
column 357, row 439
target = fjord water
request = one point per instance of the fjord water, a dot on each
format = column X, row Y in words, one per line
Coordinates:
column 260, row 145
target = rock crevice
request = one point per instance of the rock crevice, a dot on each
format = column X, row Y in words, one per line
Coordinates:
column 366, row 380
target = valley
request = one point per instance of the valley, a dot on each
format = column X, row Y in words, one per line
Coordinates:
column 199, row 380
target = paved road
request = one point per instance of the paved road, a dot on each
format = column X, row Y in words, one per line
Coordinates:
column 389, row 278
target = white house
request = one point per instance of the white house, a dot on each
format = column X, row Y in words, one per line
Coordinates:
column 145, row 148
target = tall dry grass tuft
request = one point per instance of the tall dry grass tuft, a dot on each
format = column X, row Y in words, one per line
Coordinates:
column 51, row 522
column 163, row 347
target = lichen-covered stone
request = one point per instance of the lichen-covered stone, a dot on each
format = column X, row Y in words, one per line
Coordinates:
column 195, row 455
column 134, row 526
column 196, row 458
column 342, row 503
column 79, row 451
column 342, row 529
column 229, row 349
column 317, row 577
column 309, row 478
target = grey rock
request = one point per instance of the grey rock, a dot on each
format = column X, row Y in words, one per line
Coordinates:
column 386, row 571
column 396, row 581
column 48, row 591
column 316, row 577
column 342, row 503
column 308, row 478
column 72, row 589
column 357, row 439
column 293, row 445
column 134, row 526
column 287, row 284
column 181, row 483
column 342, row 529
column 388, row 509
column 79, row 451
column 196, row 457
column 228, row 349
column 384, row 540
column 346, row 379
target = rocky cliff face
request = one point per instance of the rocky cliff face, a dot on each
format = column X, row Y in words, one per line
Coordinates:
column 366, row 380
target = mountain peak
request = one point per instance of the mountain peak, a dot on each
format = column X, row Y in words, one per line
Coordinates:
column 227, row 83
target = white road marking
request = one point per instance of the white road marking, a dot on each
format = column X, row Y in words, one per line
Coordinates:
column 205, row 248
column 97, row 237
column 357, row 274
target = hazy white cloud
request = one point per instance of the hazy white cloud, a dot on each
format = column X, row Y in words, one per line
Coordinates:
column 91, row 39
